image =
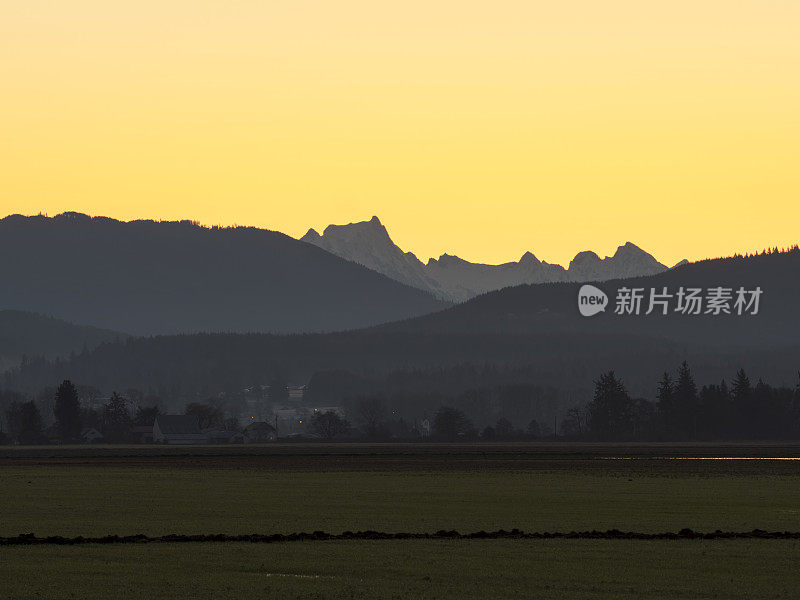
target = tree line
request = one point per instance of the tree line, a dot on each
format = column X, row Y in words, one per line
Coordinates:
column 25, row 424
column 680, row 411
column 683, row 411
column 115, row 421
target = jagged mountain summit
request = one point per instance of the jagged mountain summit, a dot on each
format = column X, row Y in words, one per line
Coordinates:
column 462, row 280
column 455, row 279
column 368, row 243
column 628, row 261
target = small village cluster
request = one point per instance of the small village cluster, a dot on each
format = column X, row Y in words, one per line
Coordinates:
column 264, row 422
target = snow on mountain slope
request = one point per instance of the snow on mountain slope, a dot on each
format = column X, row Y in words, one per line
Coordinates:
column 452, row 278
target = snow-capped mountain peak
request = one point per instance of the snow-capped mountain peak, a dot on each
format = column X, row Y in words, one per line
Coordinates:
column 453, row 278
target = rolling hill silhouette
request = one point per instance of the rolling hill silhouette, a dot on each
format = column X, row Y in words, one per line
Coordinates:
column 34, row 335
column 552, row 308
column 147, row 277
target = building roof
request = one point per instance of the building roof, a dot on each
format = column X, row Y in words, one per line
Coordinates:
column 178, row 424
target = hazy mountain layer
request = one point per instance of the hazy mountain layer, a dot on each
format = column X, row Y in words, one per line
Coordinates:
column 148, row 277
column 368, row 243
column 535, row 329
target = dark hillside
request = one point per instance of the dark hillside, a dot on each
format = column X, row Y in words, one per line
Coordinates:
column 553, row 308
column 147, row 277
column 30, row 334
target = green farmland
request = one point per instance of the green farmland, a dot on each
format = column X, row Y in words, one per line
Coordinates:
column 574, row 569
column 285, row 489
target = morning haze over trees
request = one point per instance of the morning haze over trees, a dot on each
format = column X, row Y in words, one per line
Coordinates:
column 680, row 411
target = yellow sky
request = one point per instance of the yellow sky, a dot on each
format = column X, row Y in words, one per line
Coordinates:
column 482, row 129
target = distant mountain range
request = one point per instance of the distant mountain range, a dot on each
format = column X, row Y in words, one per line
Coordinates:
column 454, row 279
column 147, row 277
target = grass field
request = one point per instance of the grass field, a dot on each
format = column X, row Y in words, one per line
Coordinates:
column 284, row 489
column 477, row 569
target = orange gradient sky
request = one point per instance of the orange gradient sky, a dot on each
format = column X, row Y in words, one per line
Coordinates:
column 481, row 129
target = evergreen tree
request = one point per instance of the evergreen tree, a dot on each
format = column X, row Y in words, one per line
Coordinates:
column 725, row 410
column 611, row 409
column 643, row 414
column 714, row 410
column 794, row 419
column 665, row 403
column 67, row 412
column 117, row 420
column 769, row 408
column 742, row 404
column 24, row 423
column 686, row 403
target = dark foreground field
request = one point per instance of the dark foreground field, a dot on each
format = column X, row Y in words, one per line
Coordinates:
column 291, row 488
column 407, row 569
